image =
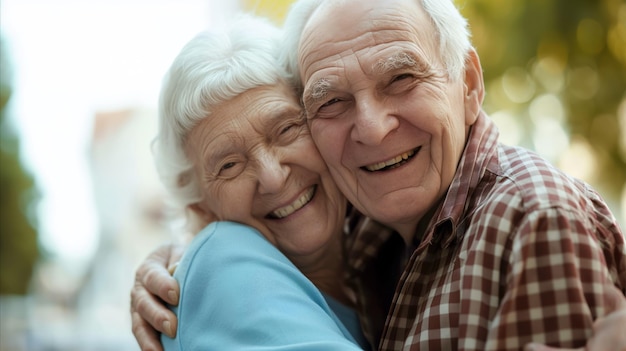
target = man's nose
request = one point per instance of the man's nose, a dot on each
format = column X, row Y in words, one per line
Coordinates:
column 373, row 121
column 273, row 172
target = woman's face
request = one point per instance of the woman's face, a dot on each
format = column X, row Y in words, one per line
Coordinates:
column 258, row 165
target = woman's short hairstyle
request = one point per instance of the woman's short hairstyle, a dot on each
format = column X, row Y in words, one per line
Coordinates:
column 212, row 68
column 450, row 26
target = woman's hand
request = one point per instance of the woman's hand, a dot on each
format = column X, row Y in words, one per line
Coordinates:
column 154, row 286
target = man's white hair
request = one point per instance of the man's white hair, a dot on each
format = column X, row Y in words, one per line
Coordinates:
column 451, row 28
column 212, row 68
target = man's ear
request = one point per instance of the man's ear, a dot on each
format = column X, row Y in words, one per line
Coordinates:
column 474, row 87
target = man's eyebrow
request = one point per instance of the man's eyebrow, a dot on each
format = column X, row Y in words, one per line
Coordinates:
column 317, row 91
column 396, row 61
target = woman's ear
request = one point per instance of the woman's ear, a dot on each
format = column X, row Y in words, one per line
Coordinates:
column 474, row 87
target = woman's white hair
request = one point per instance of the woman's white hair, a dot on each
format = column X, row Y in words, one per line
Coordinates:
column 212, row 68
column 450, row 26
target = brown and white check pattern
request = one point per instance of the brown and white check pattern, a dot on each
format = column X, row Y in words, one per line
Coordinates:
column 517, row 252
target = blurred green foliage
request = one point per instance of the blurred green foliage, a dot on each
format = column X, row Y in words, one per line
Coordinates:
column 574, row 53
column 19, row 247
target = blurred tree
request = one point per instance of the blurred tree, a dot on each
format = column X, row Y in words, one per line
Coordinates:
column 19, row 248
column 562, row 61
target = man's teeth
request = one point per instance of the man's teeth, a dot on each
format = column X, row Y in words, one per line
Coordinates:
column 296, row 205
column 394, row 161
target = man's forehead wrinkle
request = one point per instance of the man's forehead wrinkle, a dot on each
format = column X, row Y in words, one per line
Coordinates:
column 316, row 38
column 320, row 74
column 320, row 46
column 315, row 55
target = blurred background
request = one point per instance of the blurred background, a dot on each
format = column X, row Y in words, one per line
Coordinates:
column 81, row 205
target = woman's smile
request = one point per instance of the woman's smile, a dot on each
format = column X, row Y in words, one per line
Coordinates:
column 296, row 205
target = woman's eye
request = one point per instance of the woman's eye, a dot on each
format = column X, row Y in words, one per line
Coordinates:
column 286, row 129
column 289, row 132
column 228, row 165
column 291, row 127
column 230, row 169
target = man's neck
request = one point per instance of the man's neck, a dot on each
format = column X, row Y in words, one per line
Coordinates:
column 413, row 232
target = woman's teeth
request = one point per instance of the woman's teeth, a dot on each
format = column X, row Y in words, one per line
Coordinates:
column 296, row 205
column 392, row 163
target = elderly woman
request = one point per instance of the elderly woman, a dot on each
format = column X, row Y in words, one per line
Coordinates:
column 234, row 150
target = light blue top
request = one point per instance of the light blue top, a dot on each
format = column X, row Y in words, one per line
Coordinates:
column 238, row 292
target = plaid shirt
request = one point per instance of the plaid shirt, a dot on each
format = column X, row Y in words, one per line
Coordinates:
column 517, row 251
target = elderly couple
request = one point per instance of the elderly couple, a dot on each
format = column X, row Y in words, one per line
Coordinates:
column 445, row 239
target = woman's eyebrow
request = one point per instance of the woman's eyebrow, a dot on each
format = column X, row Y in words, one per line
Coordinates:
column 274, row 116
column 214, row 149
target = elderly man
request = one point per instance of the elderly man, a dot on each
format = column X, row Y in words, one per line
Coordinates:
column 496, row 247
column 458, row 242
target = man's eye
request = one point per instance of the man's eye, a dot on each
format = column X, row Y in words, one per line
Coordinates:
column 332, row 108
column 330, row 102
column 401, row 77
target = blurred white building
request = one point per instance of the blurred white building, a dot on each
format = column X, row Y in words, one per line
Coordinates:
column 85, row 88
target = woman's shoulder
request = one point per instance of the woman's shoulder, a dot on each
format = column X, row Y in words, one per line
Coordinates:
column 228, row 256
column 238, row 290
column 226, row 241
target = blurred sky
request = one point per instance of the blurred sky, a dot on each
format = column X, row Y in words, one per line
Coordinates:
column 74, row 58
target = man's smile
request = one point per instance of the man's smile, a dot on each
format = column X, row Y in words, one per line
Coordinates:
column 393, row 162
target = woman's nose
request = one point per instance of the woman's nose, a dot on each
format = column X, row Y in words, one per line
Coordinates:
column 273, row 172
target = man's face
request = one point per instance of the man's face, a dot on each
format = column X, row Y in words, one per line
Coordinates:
column 386, row 117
